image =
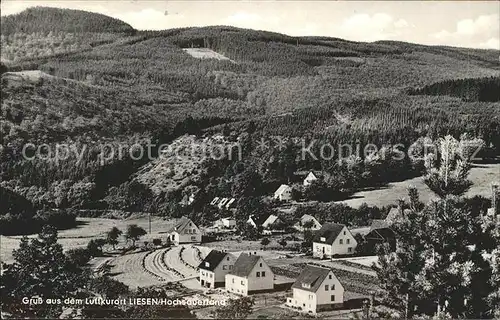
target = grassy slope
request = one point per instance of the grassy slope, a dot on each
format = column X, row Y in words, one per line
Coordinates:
column 481, row 175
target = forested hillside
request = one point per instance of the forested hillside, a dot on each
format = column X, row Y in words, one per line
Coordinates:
column 100, row 82
column 43, row 19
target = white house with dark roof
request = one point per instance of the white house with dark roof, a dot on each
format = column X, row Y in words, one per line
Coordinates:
column 333, row 239
column 214, row 267
column 283, row 193
column 184, row 231
column 299, row 226
column 250, row 274
column 316, row 289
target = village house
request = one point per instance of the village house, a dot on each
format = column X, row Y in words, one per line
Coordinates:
column 225, row 223
column 256, row 222
column 271, row 221
column 333, row 239
column 310, row 178
column 184, row 231
column 250, row 274
column 305, row 220
column 214, row 267
column 316, row 289
column 283, row 193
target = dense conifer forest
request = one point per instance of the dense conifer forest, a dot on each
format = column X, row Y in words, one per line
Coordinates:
column 98, row 81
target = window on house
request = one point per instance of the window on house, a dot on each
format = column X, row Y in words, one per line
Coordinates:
column 233, row 280
column 242, row 283
column 333, row 287
column 260, row 265
column 193, row 238
column 224, row 267
column 344, row 233
column 341, row 241
column 211, row 275
column 326, row 287
column 348, row 241
column 329, row 276
column 258, row 274
column 263, row 273
column 332, row 297
column 230, row 267
column 349, row 249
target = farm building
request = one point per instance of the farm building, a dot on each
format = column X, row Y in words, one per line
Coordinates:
column 214, row 267
column 250, row 274
column 316, row 289
column 380, row 233
column 184, row 231
column 333, row 239
column 223, row 203
column 283, row 193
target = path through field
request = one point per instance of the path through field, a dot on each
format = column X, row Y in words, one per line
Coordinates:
column 129, row 270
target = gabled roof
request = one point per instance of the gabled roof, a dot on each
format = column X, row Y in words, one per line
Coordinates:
column 258, row 220
column 222, row 202
column 181, row 224
column 244, row 265
column 270, row 220
column 329, row 231
column 314, row 175
column 282, row 189
column 305, row 173
column 311, row 278
column 307, row 217
column 379, row 224
column 212, row 260
column 230, row 202
column 393, row 215
column 382, row 234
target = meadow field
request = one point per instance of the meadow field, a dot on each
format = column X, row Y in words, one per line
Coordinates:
column 481, row 175
column 91, row 228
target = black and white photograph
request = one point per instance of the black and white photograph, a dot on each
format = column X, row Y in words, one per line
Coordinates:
column 259, row 159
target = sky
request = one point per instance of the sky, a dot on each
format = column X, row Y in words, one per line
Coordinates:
column 472, row 24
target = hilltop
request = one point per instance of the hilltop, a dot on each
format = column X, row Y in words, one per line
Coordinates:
column 45, row 19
